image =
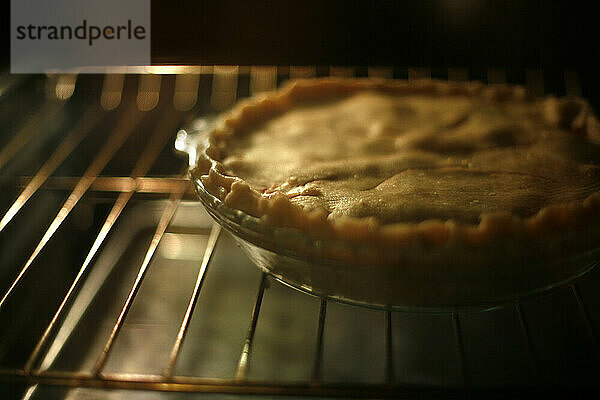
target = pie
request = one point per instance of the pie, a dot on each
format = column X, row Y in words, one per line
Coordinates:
column 395, row 163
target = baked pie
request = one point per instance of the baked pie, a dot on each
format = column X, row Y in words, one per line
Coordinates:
column 394, row 162
column 463, row 180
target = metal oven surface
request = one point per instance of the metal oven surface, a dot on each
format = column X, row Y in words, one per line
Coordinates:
column 117, row 284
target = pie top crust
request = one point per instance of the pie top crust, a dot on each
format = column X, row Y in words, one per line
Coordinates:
column 393, row 162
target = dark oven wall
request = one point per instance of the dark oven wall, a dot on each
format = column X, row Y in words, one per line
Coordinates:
column 552, row 36
column 479, row 33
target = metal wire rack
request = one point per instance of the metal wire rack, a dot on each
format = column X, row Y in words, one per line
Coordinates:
column 133, row 176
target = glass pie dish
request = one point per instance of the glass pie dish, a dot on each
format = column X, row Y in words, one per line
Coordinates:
column 425, row 277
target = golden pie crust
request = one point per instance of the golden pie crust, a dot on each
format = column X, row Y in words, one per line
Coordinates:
column 395, row 162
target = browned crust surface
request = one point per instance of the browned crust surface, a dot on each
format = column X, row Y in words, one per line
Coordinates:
column 276, row 209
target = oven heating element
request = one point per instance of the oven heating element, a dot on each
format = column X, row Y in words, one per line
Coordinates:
column 116, row 154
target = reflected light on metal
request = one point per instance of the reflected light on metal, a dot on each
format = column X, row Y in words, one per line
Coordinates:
column 164, row 222
column 172, row 69
column 244, row 361
column 113, row 143
column 224, row 87
column 186, row 91
column 112, row 90
column 90, row 118
column 30, row 392
column 180, row 140
column 262, row 79
column 181, row 145
column 121, row 184
column 208, row 252
column 65, row 86
column 148, row 92
column 54, row 350
column 149, row 155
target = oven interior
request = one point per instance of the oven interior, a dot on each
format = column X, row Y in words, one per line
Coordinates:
column 117, row 284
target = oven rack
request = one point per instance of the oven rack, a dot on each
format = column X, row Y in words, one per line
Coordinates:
column 195, row 91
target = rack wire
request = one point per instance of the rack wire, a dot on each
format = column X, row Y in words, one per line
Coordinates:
column 226, row 85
